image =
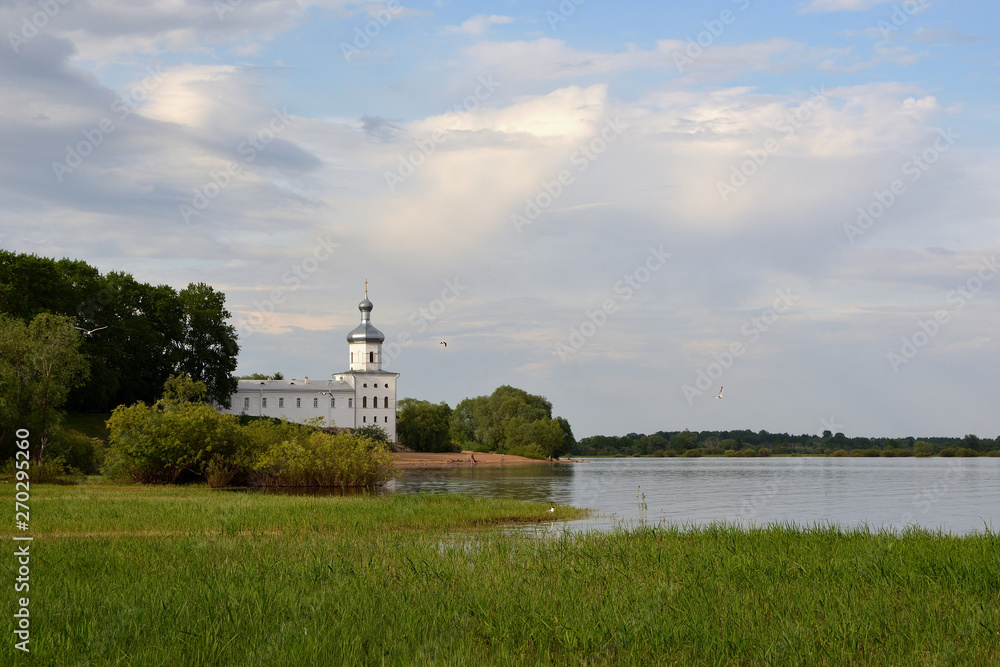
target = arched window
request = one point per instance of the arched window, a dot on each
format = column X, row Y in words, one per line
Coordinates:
column 371, row 357
column 364, row 401
column 386, row 403
column 374, row 401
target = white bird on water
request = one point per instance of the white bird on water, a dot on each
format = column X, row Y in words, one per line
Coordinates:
column 552, row 508
column 720, row 392
column 87, row 332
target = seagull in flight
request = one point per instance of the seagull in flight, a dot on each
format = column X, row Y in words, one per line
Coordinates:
column 720, row 392
column 443, row 343
column 87, row 332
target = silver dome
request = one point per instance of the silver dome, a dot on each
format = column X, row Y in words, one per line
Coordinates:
column 365, row 332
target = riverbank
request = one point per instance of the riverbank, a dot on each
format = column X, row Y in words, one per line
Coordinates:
column 188, row 575
column 408, row 460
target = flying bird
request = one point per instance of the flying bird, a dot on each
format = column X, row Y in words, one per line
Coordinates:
column 87, row 332
column 720, row 392
column 443, row 343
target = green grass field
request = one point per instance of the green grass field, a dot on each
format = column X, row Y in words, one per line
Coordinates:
column 190, row 576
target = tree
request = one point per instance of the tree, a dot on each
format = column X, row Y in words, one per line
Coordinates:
column 39, row 364
column 373, row 432
column 140, row 334
column 506, row 419
column 209, row 347
column 423, row 426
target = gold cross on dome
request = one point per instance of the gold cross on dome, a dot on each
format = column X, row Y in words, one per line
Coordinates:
column 366, row 288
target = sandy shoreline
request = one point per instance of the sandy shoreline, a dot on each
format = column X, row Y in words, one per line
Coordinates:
column 448, row 459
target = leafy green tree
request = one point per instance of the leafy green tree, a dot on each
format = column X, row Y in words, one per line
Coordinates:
column 373, row 432
column 423, row 426
column 209, row 343
column 39, row 363
column 261, row 376
column 138, row 334
column 506, row 420
column 684, row 441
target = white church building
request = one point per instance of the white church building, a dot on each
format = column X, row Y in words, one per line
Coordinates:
column 363, row 395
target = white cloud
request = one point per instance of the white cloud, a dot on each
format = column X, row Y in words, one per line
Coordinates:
column 842, row 5
column 479, row 24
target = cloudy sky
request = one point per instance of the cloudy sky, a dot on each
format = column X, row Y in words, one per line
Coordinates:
column 620, row 206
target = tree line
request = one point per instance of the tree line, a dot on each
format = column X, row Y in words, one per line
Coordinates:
column 750, row 443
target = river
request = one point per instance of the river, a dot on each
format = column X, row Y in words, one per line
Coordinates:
column 955, row 495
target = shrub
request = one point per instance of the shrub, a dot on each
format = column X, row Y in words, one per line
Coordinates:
column 76, row 449
column 324, row 459
column 531, row 451
column 151, row 444
column 947, row 452
column 840, row 452
column 730, row 452
column 764, row 451
column 746, row 452
column 966, row 451
column 694, row 453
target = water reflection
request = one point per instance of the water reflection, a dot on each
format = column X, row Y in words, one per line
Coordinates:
column 956, row 495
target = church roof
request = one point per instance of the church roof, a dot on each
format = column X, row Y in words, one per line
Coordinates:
column 365, row 332
column 304, row 386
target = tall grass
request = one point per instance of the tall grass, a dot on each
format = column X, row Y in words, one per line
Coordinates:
column 191, row 576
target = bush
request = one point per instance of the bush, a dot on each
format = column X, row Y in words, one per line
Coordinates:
column 764, row 451
column 697, row 452
column 966, row 451
column 947, row 452
column 324, row 459
column 527, row 451
column 746, row 452
column 840, row 452
column 730, row 452
column 76, row 450
column 156, row 445
column 53, row 470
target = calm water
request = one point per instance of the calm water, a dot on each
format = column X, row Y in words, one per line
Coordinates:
column 958, row 495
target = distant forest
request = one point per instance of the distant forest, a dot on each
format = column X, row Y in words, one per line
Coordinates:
column 762, row 443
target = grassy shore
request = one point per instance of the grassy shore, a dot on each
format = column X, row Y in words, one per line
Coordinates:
column 189, row 576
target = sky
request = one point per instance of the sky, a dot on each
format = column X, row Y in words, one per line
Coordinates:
column 620, row 206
